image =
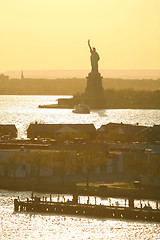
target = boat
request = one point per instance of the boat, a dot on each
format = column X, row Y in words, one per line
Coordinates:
column 81, row 108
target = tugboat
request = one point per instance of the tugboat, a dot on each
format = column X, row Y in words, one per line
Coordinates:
column 81, row 108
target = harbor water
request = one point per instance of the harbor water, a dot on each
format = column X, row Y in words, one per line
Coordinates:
column 17, row 226
column 21, row 111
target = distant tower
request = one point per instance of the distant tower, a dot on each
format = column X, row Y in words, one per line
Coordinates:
column 22, row 75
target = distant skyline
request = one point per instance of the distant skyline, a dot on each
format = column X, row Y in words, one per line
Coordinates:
column 83, row 73
column 53, row 34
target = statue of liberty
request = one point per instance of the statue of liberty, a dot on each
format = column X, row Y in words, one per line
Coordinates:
column 94, row 58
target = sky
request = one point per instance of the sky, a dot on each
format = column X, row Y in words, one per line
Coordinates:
column 53, row 34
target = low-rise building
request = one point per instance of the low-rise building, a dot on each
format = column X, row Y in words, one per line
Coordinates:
column 121, row 132
column 4, row 77
column 121, row 163
column 55, row 131
column 8, row 130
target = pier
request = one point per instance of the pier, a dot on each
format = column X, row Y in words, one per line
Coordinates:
column 74, row 207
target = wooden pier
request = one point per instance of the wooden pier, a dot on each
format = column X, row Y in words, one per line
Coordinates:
column 74, row 207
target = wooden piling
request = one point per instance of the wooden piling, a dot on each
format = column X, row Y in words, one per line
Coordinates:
column 76, row 208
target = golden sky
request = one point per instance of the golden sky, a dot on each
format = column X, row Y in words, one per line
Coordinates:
column 53, row 34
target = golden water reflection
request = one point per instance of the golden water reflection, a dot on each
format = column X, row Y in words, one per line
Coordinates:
column 22, row 110
column 47, row 226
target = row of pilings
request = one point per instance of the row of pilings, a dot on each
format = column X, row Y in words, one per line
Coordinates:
column 36, row 205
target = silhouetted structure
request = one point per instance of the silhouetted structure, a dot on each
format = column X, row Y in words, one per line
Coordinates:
column 22, row 75
column 94, row 93
column 94, row 58
column 8, row 130
column 123, row 132
column 4, row 77
column 54, row 130
column 151, row 134
column 75, row 207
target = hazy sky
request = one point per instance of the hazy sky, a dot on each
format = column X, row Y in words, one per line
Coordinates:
column 53, row 34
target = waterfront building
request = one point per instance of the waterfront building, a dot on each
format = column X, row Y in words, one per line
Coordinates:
column 8, row 131
column 119, row 164
column 55, row 131
column 122, row 132
column 4, row 77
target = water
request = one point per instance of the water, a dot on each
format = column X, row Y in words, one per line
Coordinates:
column 22, row 110
column 46, row 226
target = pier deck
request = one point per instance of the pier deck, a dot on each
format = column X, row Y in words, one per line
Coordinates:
column 74, row 208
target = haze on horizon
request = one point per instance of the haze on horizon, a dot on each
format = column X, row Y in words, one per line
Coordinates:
column 53, row 34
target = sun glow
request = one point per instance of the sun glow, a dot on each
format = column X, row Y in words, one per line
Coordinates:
column 53, row 34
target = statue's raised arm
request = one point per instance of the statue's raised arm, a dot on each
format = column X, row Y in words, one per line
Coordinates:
column 89, row 45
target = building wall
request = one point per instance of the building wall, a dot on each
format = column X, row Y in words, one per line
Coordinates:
column 115, row 164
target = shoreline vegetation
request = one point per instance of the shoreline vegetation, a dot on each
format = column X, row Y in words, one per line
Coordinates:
column 118, row 93
column 46, row 185
column 72, row 172
column 71, row 86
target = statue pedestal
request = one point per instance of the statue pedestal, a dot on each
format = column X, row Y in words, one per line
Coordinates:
column 94, row 93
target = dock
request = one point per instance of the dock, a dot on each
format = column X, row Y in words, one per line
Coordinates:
column 74, row 207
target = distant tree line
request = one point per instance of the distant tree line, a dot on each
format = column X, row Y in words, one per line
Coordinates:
column 70, row 85
column 130, row 98
column 60, row 162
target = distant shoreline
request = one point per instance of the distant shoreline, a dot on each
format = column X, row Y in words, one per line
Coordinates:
column 82, row 73
column 46, row 185
column 70, row 86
